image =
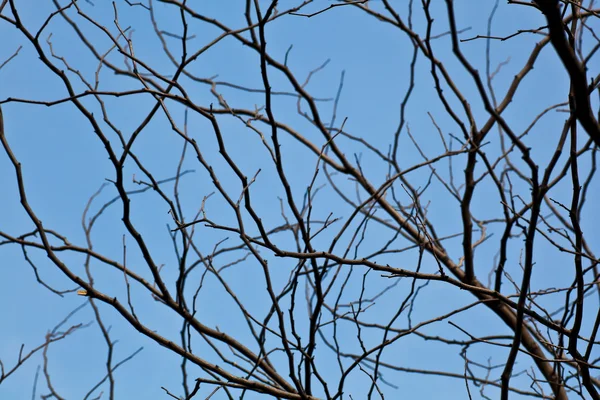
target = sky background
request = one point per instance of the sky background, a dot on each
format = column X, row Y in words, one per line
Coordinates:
column 64, row 163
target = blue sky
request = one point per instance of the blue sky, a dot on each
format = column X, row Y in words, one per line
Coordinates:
column 64, row 163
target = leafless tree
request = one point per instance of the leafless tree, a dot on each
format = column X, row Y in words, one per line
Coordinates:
column 286, row 234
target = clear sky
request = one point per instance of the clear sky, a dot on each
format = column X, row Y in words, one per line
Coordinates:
column 64, row 163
